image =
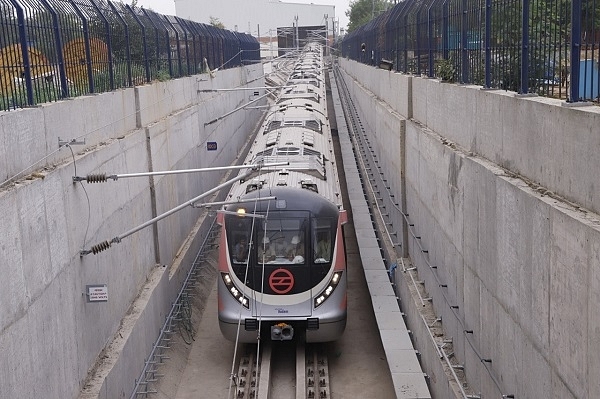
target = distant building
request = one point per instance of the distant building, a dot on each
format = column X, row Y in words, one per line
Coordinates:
column 262, row 18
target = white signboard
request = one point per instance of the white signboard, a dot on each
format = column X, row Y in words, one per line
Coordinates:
column 97, row 293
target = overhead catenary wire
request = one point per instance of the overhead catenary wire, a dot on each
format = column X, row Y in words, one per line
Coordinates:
column 253, row 295
column 246, row 271
column 240, row 89
column 102, row 177
column 106, row 244
column 236, row 109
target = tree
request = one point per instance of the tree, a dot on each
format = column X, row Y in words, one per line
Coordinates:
column 216, row 22
column 362, row 11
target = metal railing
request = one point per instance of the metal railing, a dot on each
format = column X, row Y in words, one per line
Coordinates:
column 56, row 49
column 547, row 47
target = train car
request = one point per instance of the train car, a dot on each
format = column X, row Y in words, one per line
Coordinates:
column 282, row 261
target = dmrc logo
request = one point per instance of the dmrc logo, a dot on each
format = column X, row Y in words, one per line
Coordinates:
column 281, row 281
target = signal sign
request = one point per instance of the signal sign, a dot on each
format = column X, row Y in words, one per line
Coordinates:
column 97, row 293
column 211, row 146
column 281, row 281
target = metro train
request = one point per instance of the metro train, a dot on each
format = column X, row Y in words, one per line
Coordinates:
column 282, row 260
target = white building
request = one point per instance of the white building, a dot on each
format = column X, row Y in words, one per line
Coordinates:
column 260, row 18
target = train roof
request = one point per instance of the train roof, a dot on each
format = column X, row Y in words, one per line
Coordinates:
column 301, row 90
column 296, row 132
column 295, row 199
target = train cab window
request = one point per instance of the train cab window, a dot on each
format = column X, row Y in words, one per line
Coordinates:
column 322, row 241
column 240, row 250
column 238, row 238
column 282, row 241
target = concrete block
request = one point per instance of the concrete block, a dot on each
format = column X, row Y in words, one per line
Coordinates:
column 13, row 290
column 23, row 141
column 569, row 284
column 381, row 288
column 371, row 258
column 362, row 219
column 365, row 234
column 410, row 386
column 593, row 329
column 384, row 304
column 378, row 275
column 396, row 339
column 390, row 320
column 403, row 361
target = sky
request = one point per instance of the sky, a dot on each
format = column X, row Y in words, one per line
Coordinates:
column 168, row 7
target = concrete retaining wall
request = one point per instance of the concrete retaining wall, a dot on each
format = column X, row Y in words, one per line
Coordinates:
column 502, row 196
column 50, row 336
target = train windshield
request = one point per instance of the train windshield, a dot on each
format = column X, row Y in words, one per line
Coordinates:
column 282, row 240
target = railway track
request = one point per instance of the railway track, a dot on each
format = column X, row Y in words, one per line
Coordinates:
column 273, row 373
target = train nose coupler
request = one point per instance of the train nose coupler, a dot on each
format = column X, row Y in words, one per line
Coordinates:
column 282, row 332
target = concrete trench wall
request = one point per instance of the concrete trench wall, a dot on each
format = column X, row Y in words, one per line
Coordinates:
column 501, row 191
column 50, row 336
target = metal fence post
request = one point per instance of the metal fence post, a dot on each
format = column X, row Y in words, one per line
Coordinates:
column 86, row 40
column 24, row 51
column 575, row 50
column 64, row 88
column 127, row 42
column 464, row 43
column 445, row 30
column 418, row 39
column 144, row 42
column 111, row 71
column 430, row 41
column 525, row 48
column 177, row 49
column 488, row 49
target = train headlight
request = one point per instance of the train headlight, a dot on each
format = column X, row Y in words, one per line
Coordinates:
column 227, row 280
column 333, row 283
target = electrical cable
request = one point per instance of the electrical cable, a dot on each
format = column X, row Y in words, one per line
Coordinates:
column 87, row 197
column 255, row 298
column 241, row 305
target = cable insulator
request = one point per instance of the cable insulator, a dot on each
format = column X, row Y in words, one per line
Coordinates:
column 100, row 247
column 96, row 178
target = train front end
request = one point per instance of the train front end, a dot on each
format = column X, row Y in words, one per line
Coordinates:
column 282, row 268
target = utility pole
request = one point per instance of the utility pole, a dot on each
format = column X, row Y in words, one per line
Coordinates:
column 326, row 16
column 333, row 28
column 297, row 38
